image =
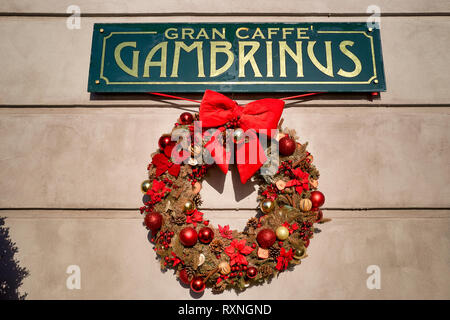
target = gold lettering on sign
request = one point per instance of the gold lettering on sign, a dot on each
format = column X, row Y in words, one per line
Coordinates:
column 133, row 71
column 258, row 33
column 358, row 67
column 202, row 33
column 301, row 33
column 172, row 35
column 245, row 58
column 176, row 57
column 238, row 33
column 272, row 31
column 220, row 47
column 187, row 32
column 328, row 70
column 298, row 58
column 216, row 32
column 162, row 63
column 287, row 31
column 269, row 59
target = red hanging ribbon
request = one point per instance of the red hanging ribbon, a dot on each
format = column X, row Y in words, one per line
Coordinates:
column 255, row 117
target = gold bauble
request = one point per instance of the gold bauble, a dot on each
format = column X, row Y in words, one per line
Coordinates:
column 299, row 253
column 188, row 206
column 305, row 205
column 267, row 206
column 224, row 267
column 282, row 233
column 145, row 185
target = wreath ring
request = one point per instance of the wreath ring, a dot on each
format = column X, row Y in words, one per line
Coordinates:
column 289, row 204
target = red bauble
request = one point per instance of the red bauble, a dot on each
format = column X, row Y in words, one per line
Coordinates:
column 197, row 284
column 205, row 235
column 163, row 141
column 188, row 236
column 184, row 277
column 266, row 238
column 186, row 118
column 252, row 272
column 153, row 221
column 317, row 199
column 287, row 146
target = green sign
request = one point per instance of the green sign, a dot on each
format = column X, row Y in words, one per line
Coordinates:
column 236, row 57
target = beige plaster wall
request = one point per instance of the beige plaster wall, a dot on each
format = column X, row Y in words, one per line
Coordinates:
column 63, row 151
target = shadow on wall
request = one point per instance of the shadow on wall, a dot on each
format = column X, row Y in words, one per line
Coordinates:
column 11, row 273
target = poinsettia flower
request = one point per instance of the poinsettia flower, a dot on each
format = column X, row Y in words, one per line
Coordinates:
column 175, row 259
column 237, row 251
column 301, row 175
column 301, row 181
column 284, row 258
column 194, row 216
column 292, row 227
column 158, row 191
column 225, row 231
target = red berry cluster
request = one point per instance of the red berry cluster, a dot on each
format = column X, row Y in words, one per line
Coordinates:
column 286, row 168
column 164, row 238
column 198, row 173
column 308, row 159
column 175, row 260
column 167, row 181
column 306, row 231
column 144, row 209
column 232, row 123
column 238, row 271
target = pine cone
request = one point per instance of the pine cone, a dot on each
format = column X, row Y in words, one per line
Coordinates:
column 216, row 246
column 190, row 273
column 218, row 288
column 197, row 200
column 274, row 253
column 179, row 219
column 265, row 271
column 252, row 224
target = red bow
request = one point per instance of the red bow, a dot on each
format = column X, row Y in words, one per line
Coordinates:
column 163, row 164
column 257, row 116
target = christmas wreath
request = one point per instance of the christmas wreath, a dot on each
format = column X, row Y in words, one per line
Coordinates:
column 289, row 203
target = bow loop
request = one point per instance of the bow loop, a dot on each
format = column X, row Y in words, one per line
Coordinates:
column 259, row 116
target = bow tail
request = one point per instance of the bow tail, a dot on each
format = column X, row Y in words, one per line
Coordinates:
column 250, row 156
column 217, row 151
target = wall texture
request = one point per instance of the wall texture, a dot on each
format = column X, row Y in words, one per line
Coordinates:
column 71, row 163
